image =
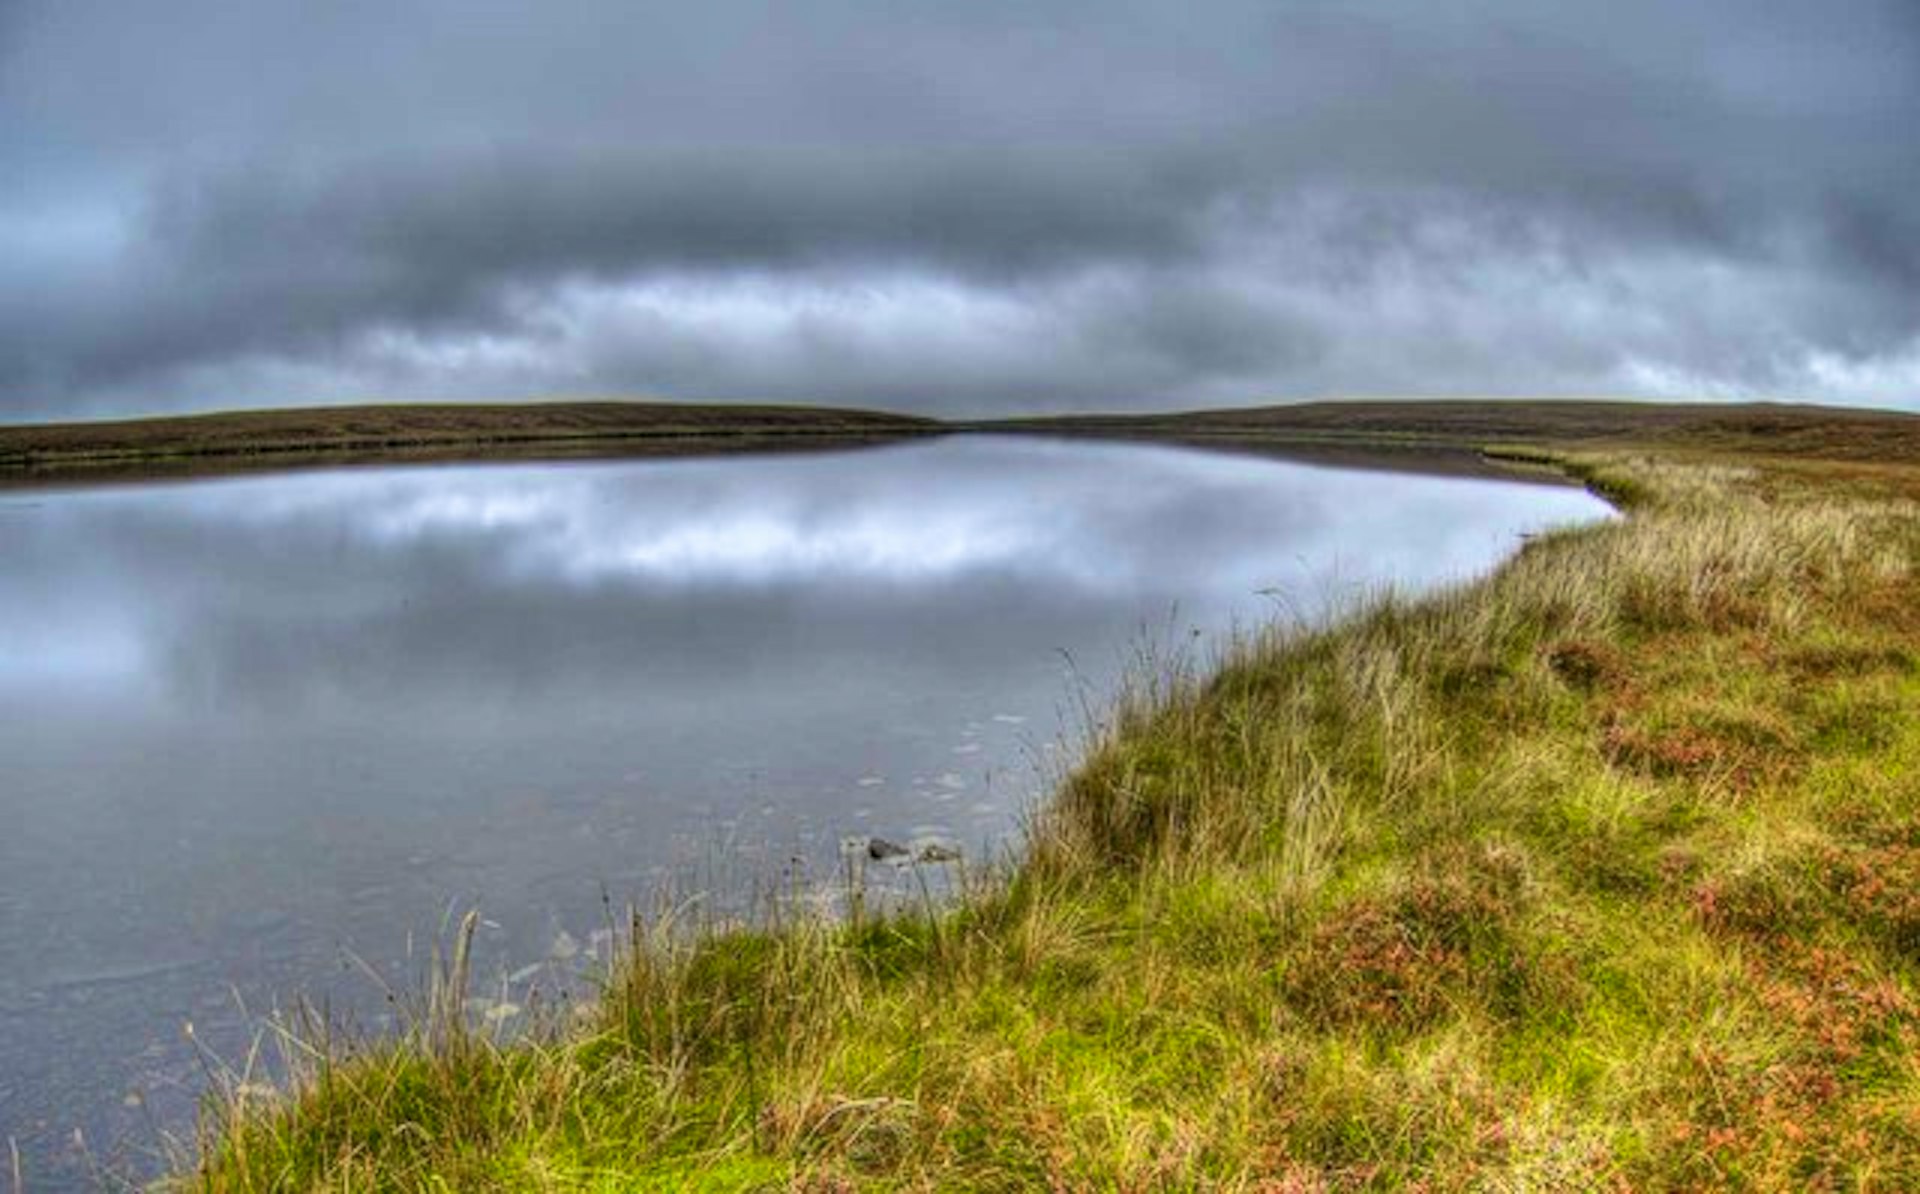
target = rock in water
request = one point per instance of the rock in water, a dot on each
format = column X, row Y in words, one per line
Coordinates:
column 880, row 849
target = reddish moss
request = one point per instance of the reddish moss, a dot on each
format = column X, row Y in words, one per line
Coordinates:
column 1452, row 934
column 1878, row 888
column 1587, row 665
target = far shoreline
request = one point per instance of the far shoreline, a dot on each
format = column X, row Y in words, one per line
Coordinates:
column 1390, row 434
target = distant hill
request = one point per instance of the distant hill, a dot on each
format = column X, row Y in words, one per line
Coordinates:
column 1833, row 432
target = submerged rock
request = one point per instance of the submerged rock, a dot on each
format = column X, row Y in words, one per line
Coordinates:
column 501, row 1012
column 919, row 849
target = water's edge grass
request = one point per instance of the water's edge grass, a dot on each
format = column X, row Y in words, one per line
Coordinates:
column 1601, row 871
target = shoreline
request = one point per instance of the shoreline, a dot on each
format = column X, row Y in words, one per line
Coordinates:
column 323, row 437
column 1595, row 870
column 214, row 444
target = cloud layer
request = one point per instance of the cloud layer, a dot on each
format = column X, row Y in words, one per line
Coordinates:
column 955, row 209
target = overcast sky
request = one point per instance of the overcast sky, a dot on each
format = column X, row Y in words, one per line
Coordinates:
column 955, row 207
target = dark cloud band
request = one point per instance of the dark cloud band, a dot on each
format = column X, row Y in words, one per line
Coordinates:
column 980, row 208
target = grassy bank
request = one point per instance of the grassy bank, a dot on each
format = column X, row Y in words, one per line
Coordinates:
column 1602, row 872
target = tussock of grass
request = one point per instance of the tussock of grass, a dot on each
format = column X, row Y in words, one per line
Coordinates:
column 1602, row 871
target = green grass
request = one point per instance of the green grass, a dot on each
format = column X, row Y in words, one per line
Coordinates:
column 1602, row 872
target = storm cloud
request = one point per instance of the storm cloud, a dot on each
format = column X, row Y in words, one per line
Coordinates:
column 975, row 208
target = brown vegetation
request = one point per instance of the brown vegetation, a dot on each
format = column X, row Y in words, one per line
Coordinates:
column 193, row 444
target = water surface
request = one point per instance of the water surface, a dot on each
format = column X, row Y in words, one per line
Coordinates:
column 253, row 728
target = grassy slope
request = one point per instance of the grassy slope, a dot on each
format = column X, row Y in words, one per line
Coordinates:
column 452, row 431
column 1602, row 872
column 1823, row 432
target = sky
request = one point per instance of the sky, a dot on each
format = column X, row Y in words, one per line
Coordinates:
column 956, row 209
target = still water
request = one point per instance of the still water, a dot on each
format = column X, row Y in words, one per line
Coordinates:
column 251, row 730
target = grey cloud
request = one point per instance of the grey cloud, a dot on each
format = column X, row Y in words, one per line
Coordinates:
column 1120, row 204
